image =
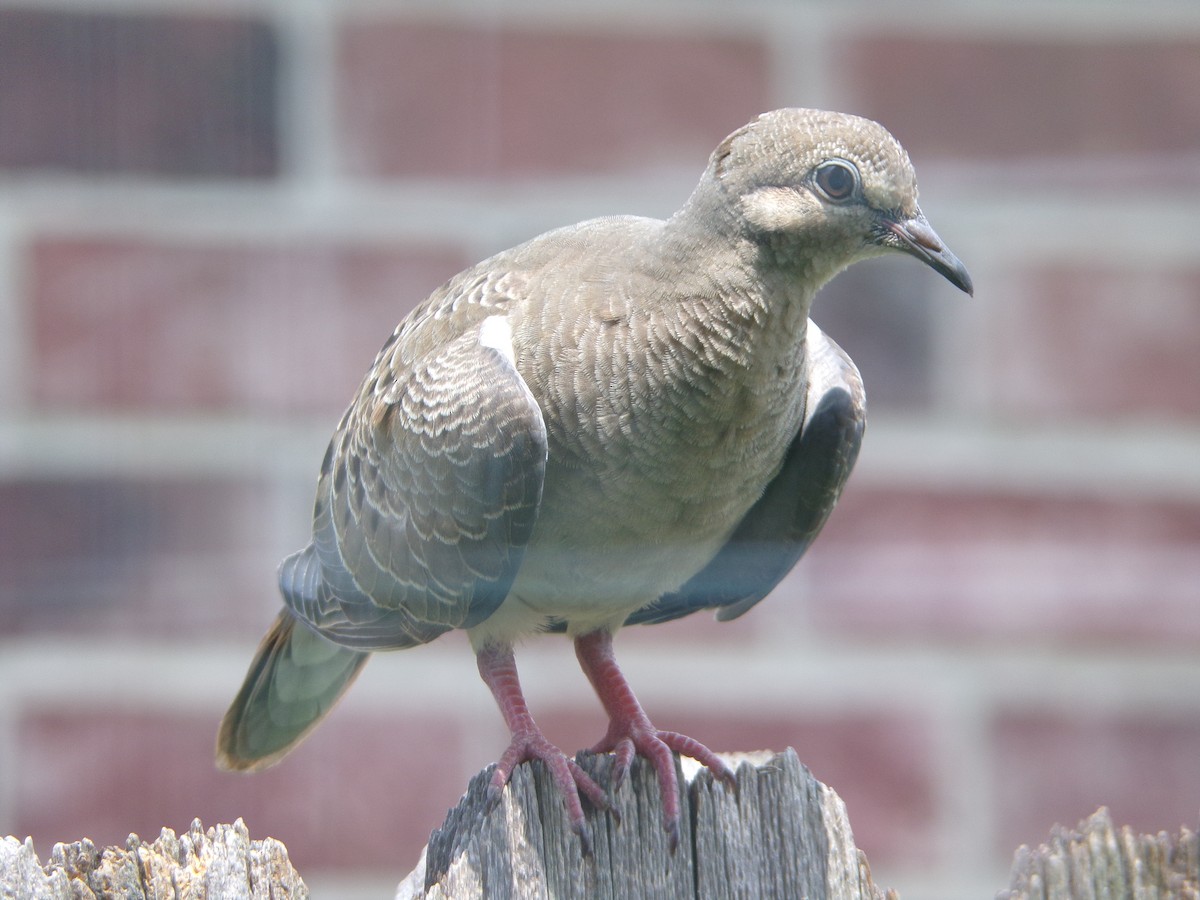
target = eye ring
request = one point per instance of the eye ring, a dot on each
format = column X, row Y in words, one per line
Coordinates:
column 837, row 180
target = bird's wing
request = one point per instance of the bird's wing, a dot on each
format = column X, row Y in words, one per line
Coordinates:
column 780, row 526
column 429, row 491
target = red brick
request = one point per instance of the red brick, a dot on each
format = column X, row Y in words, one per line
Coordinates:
column 1053, row 769
column 1100, row 342
column 126, row 324
column 97, row 556
column 360, row 793
column 161, row 94
column 1008, row 568
column 423, row 99
column 879, row 765
column 1014, row 98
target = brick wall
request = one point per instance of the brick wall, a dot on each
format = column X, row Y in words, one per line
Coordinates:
column 211, row 216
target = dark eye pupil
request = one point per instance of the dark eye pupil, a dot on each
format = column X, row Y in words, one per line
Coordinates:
column 836, row 181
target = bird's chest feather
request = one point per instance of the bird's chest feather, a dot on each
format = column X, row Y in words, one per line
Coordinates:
column 678, row 406
column 662, row 432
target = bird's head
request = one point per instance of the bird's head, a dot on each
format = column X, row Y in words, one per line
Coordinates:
column 829, row 189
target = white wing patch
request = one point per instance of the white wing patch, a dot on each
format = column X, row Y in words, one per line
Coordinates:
column 495, row 332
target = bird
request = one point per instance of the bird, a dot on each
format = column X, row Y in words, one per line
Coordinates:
column 619, row 422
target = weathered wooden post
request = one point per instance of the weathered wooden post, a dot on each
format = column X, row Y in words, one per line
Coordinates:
column 1095, row 861
column 780, row 834
column 220, row 863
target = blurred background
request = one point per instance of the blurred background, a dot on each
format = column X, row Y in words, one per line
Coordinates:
column 212, row 213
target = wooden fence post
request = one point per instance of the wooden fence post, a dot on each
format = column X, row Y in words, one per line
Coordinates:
column 780, row 834
column 222, row 863
column 1095, row 861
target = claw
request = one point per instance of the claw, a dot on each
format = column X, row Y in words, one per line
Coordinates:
column 494, row 793
column 624, row 751
column 672, row 836
column 585, row 838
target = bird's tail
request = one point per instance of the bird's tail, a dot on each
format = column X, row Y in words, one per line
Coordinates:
column 296, row 678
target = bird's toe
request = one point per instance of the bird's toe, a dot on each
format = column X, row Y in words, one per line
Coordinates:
column 570, row 779
column 693, row 749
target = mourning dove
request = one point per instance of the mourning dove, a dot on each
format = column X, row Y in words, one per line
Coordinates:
column 622, row 421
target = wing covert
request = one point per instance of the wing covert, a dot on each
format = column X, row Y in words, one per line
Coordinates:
column 427, row 497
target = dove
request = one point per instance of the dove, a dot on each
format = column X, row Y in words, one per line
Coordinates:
column 619, row 422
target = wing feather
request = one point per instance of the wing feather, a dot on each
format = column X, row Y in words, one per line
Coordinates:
column 782, row 524
column 428, row 495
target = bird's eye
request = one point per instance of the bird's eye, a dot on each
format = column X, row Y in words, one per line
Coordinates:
column 837, row 180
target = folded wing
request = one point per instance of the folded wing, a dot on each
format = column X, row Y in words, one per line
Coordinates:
column 427, row 497
column 780, row 526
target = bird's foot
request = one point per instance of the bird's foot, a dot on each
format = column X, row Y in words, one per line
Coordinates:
column 637, row 736
column 631, row 733
column 499, row 672
column 568, row 777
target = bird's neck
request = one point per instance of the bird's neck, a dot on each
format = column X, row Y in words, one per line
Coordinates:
column 732, row 326
column 760, row 290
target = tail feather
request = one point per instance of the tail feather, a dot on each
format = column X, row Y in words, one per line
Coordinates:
column 296, row 678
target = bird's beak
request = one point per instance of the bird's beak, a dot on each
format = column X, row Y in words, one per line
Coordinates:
column 915, row 237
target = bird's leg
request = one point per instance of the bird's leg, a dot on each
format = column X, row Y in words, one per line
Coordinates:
column 630, row 730
column 499, row 671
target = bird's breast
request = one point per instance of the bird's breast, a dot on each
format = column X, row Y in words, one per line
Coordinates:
column 662, row 433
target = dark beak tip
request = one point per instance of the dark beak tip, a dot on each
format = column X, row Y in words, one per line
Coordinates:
column 961, row 279
column 918, row 239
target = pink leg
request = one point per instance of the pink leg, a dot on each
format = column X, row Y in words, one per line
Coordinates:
column 499, row 671
column 630, row 730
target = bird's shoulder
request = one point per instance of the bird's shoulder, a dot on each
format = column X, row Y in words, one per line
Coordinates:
column 540, row 268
